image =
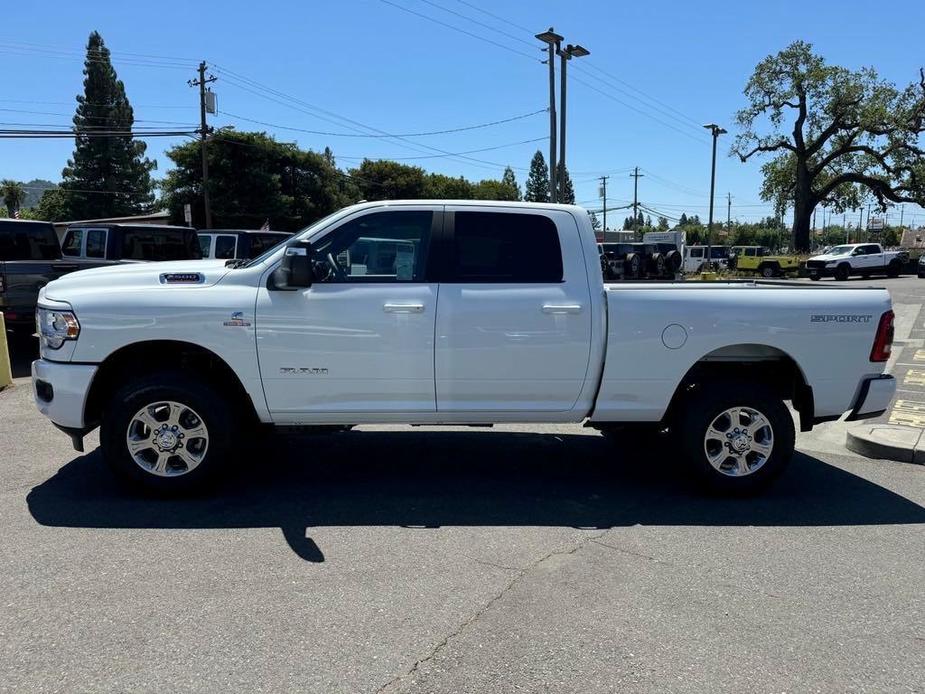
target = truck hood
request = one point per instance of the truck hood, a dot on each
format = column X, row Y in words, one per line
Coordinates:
column 135, row 276
column 828, row 257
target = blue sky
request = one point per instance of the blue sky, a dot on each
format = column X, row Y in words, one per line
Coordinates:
column 657, row 70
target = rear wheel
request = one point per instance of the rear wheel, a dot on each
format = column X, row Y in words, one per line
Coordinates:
column 893, row 269
column 815, row 278
column 842, row 272
column 769, row 270
column 633, row 265
column 736, row 437
column 167, row 433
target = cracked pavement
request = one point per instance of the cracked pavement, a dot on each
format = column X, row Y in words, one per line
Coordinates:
column 402, row 559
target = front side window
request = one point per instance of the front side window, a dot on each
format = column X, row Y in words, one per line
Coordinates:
column 379, row 247
column 96, row 243
column 72, row 241
column 505, row 247
column 696, row 253
column 205, row 245
column 225, row 245
column 751, row 252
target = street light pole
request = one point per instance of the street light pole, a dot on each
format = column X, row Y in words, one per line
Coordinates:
column 566, row 54
column 552, row 41
column 717, row 131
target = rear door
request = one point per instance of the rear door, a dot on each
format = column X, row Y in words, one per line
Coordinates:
column 513, row 328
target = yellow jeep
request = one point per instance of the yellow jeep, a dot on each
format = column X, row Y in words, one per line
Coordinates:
column 759, row 259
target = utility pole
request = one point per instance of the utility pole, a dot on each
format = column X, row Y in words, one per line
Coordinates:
column 635, row 176
column 716, row 131
column 204, row 135
column 728, row 210
column 552, row 40
column 566, row 54
column 604, row 195
column 844, row 223
column 902, row 208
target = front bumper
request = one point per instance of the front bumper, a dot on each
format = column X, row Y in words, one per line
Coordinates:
column 60, row 390
column 821, row 271
column 875, row 396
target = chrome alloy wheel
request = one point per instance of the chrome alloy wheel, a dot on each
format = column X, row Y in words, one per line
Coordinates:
column 167, row 439
column 739, row 441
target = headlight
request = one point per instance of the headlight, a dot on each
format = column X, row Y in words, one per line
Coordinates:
column 54, row 326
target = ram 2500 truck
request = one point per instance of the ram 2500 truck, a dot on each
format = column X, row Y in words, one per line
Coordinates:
column 449, row 313
column 864, row 259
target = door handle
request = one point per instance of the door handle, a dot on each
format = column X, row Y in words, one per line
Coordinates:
column 403, row 308
column 561, row 308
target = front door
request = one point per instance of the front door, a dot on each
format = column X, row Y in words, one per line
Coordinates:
column 514, row 316
column 361, row 338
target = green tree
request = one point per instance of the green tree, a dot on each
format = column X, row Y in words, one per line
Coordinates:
column 289, row 186
column 851, row 132
column 510, row 181
column 13, row 195
column 440, row 187
column 663, row 224
column 51, row 207
column 568, row 190
column 595, row 222
column 389, row 180
column 491, row 189
column 108, row 175
column 537, row 180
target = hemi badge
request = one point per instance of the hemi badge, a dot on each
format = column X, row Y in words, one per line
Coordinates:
column 182, row 278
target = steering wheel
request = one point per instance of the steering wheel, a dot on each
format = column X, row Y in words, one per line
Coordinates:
column 328, row 270
column 336, row 269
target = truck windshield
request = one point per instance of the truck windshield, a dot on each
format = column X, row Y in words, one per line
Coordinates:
column 841, row 250
column 28, row 241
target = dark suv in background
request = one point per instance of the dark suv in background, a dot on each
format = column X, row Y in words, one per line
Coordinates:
column 228, row 244
column 30, row 258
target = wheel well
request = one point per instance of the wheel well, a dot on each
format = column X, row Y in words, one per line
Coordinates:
column 123, row 364
column 751, row 363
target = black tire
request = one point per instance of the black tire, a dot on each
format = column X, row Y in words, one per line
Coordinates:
column 203, row 400
column 769, row 270
column 815, row 278
column 674, row 260
column 632, row 265
column 922, row 275
column 894, row 268
column 659, row 264
column 700, row 410
column 842, row 272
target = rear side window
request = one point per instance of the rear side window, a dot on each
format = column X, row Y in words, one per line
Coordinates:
column 25, row 241
column 96, row 243
column 72, row 240
column 225, row 246
column 504, row 247
column 261, row 243
column 159, row 243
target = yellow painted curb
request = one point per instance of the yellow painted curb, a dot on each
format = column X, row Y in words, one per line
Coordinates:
column 6, row 371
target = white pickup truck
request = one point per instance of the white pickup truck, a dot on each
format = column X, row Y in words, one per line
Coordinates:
column 463, row 313
column 863, row 259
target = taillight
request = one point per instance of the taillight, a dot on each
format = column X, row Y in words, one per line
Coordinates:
column 883, row 341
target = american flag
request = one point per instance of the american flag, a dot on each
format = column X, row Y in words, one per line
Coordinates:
column 266, row 226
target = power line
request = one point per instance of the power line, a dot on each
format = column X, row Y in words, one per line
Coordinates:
column 529, row 44
column 461, row 31
column 499, row 18
column 453, row 154
column 370, row 135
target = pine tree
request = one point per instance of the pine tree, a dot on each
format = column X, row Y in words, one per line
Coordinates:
column 568, row 191
column 595, row 222
column 683, row 220
column 537, row 180
column 510, row 181
column 113, row 165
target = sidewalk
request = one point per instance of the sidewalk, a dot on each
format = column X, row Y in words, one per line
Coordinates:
column 899, row 434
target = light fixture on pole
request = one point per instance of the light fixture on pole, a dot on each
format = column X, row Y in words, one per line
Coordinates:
column 553, row 40
column 717, row 131
column 567, row 53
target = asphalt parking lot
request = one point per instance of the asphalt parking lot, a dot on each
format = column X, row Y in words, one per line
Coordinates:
column 450, row 560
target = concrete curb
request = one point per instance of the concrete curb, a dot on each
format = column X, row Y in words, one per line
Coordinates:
column 887, row 442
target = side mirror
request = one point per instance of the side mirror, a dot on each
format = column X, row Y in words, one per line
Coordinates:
column 295, row 271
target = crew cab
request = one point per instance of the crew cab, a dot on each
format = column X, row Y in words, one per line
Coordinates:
column 864, row 259
column 29, row 259
column 99, row 244
column 449, row 312
column 229, row 244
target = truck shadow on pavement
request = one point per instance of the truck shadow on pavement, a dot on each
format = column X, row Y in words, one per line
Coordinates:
column 427, row 479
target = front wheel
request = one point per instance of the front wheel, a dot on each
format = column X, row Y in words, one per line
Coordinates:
column 167, row 433
column 736, row 437
column 842, row 272
column 769, row 271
